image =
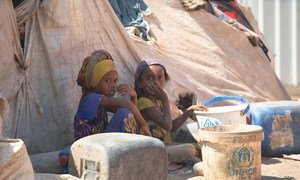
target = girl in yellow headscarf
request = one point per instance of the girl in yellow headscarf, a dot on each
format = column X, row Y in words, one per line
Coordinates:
column 99, row 81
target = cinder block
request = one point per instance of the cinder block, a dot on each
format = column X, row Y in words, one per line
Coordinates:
column 118, row 156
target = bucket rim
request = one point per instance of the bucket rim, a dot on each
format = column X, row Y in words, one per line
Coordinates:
column 249, row 129
column 222, row 109
column 250, row 133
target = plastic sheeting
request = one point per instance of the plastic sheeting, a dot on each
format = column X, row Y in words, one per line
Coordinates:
column 201, row 54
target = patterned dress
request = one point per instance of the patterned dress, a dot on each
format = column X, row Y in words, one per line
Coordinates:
column 91, row 118
column 177, row 152
column 156, row 130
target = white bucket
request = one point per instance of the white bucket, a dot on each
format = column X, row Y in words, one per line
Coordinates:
column 231, row 151
column 235, row 114
column 202, row 122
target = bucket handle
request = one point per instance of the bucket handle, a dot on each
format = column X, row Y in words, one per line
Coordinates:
column 223, row 98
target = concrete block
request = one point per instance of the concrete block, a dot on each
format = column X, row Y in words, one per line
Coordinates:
column 118, row 156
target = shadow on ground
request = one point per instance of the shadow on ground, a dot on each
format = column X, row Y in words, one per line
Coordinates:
column 272, row 178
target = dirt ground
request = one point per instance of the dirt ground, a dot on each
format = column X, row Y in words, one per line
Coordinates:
column 272, row 168
column 279, row 168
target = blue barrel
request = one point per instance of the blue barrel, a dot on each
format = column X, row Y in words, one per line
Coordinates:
column 280, row 121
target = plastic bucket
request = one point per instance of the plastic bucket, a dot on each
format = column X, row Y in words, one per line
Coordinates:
column 226, row 114
column 201, row 123
column 231, row 151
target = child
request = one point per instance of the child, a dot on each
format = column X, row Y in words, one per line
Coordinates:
column 98, row 79
column 153, row 103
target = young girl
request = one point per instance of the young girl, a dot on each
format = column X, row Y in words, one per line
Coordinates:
column 153, row 103
column 98, row 79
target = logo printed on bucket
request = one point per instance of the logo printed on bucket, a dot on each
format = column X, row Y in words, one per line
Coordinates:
column 209, row 123
column 241, row 162
column 232, row 114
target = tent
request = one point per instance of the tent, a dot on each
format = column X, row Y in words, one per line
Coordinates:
column 201, row 53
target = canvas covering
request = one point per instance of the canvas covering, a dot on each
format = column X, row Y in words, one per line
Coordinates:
column 201, row 53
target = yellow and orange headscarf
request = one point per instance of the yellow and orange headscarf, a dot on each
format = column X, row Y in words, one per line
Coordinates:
column 93, row 69
column 100, row 69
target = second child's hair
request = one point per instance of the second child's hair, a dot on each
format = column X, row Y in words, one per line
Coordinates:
column 140, row 69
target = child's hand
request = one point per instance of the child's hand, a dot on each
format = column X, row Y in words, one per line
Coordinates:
column 145, row 131
column 125, row 89
column 193, row 108
column 156, row 92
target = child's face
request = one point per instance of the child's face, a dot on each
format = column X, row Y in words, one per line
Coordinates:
column 108, row 84
column 154, row 74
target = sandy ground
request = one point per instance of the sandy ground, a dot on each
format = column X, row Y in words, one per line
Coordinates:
column 279, row 168
column 272, row 168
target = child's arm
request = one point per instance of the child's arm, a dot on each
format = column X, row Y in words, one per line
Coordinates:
column 187, row 113
column 164, row 119
column 125, row 89
column 118, row 102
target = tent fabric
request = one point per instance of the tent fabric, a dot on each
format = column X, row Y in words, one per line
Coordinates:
column 232, row 9
column 130, row 13
column 4, row 110
column 12, row 61
column 201, row 54
column 24, row 11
